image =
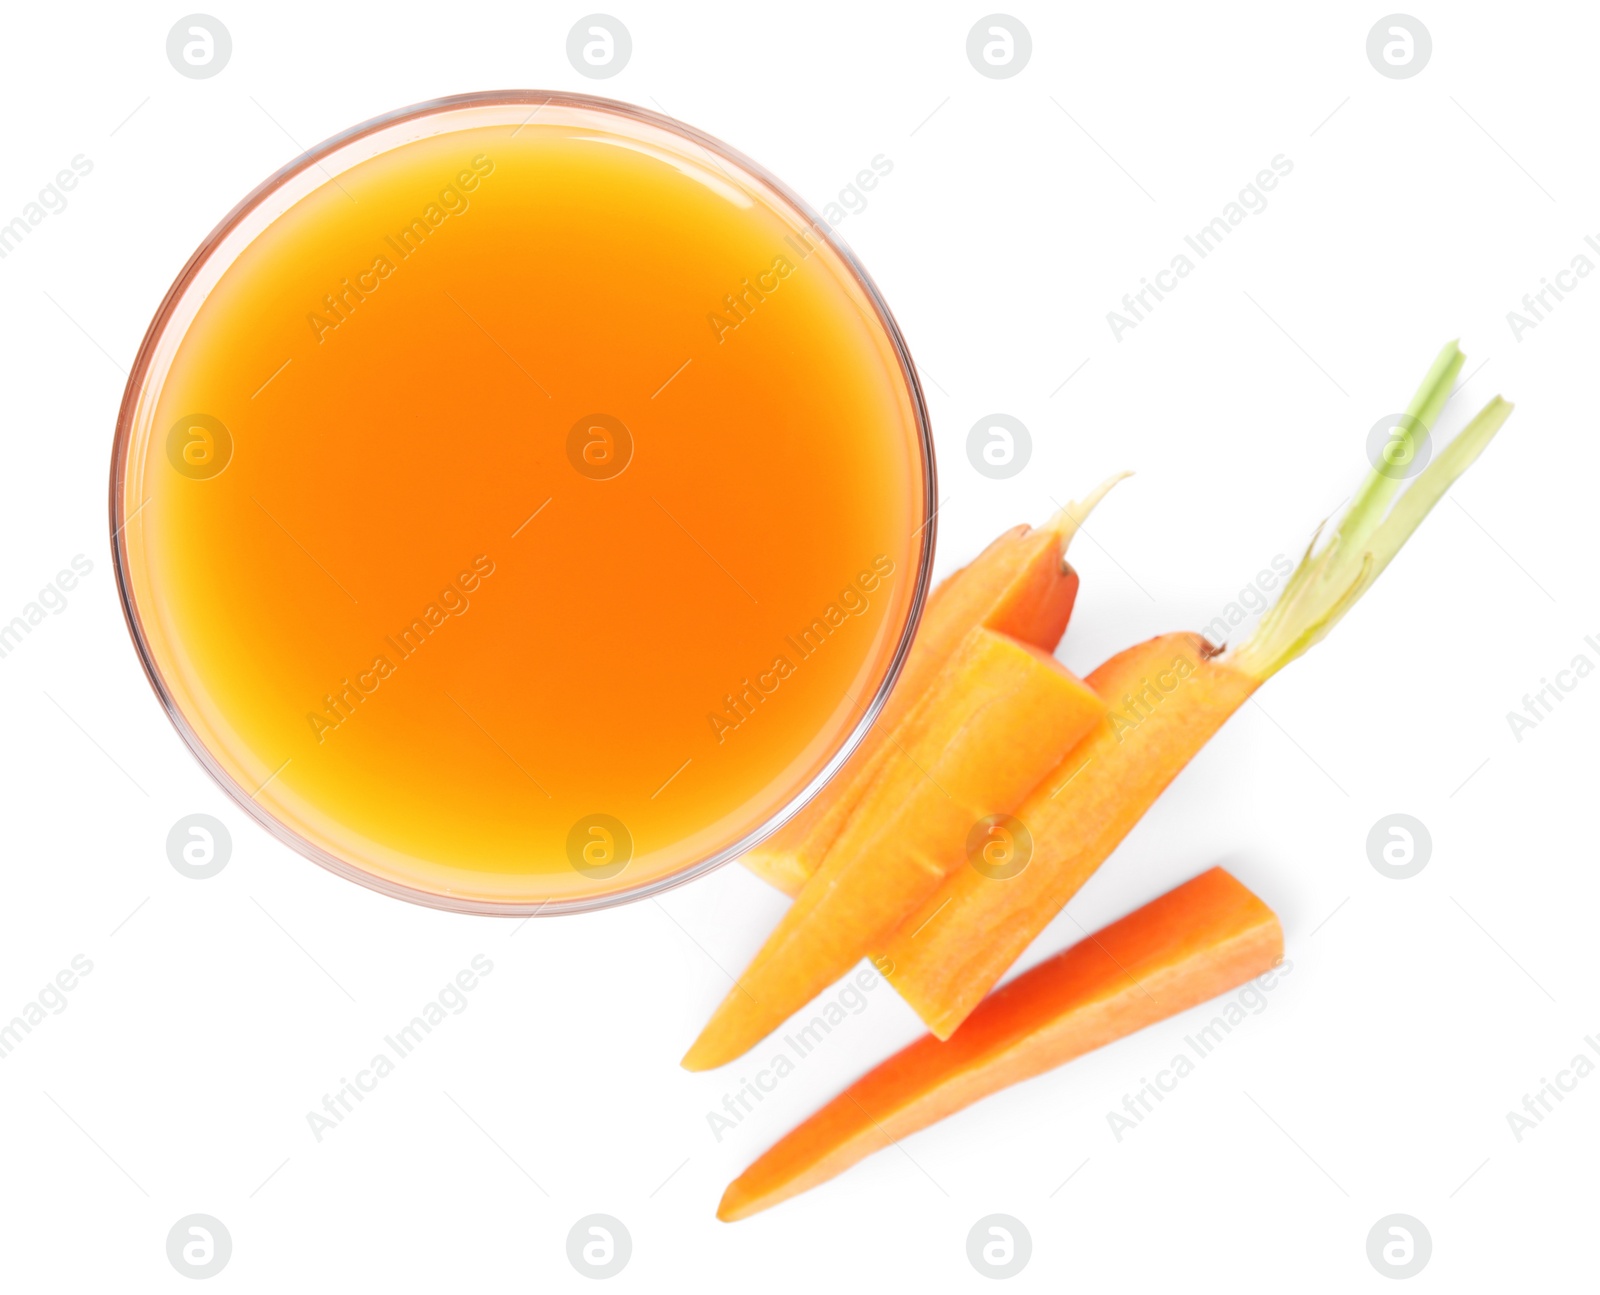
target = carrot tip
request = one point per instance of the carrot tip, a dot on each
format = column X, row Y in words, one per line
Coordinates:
column 735, row 1204
column 717, row 1044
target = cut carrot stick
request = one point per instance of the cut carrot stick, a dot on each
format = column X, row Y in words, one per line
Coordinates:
column 950, row 953
column 1001, row 713
column 1020, row 585
column 1200, row 940
column 1165, row 699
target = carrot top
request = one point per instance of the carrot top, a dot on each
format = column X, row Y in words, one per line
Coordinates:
column 1377, row 524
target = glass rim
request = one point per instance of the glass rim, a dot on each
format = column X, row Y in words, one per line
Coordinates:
column 127, row 415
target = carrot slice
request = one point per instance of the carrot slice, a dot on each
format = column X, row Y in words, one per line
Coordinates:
column 957, row 947
column 1001, row 713
column 1195, row 942
column 1020, row 585
column 1167, row 697
column 1020, row 582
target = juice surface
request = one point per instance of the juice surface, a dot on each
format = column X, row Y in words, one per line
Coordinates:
column 528, row 511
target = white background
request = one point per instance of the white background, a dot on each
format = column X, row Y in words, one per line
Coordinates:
column 1418, row 1013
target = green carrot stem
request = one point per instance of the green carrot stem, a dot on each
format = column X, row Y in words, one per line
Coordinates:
column 1330, row 580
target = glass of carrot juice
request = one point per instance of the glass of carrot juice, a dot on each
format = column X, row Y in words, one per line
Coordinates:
column 522, row 503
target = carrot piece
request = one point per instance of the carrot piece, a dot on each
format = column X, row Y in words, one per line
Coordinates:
column 1000, row 714
column 944, row 964
column 1167, row 697
column 1020, row 585
column 1195, row 942
column 1020, row 582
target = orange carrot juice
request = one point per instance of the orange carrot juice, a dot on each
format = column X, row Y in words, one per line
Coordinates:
column 521, row 503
